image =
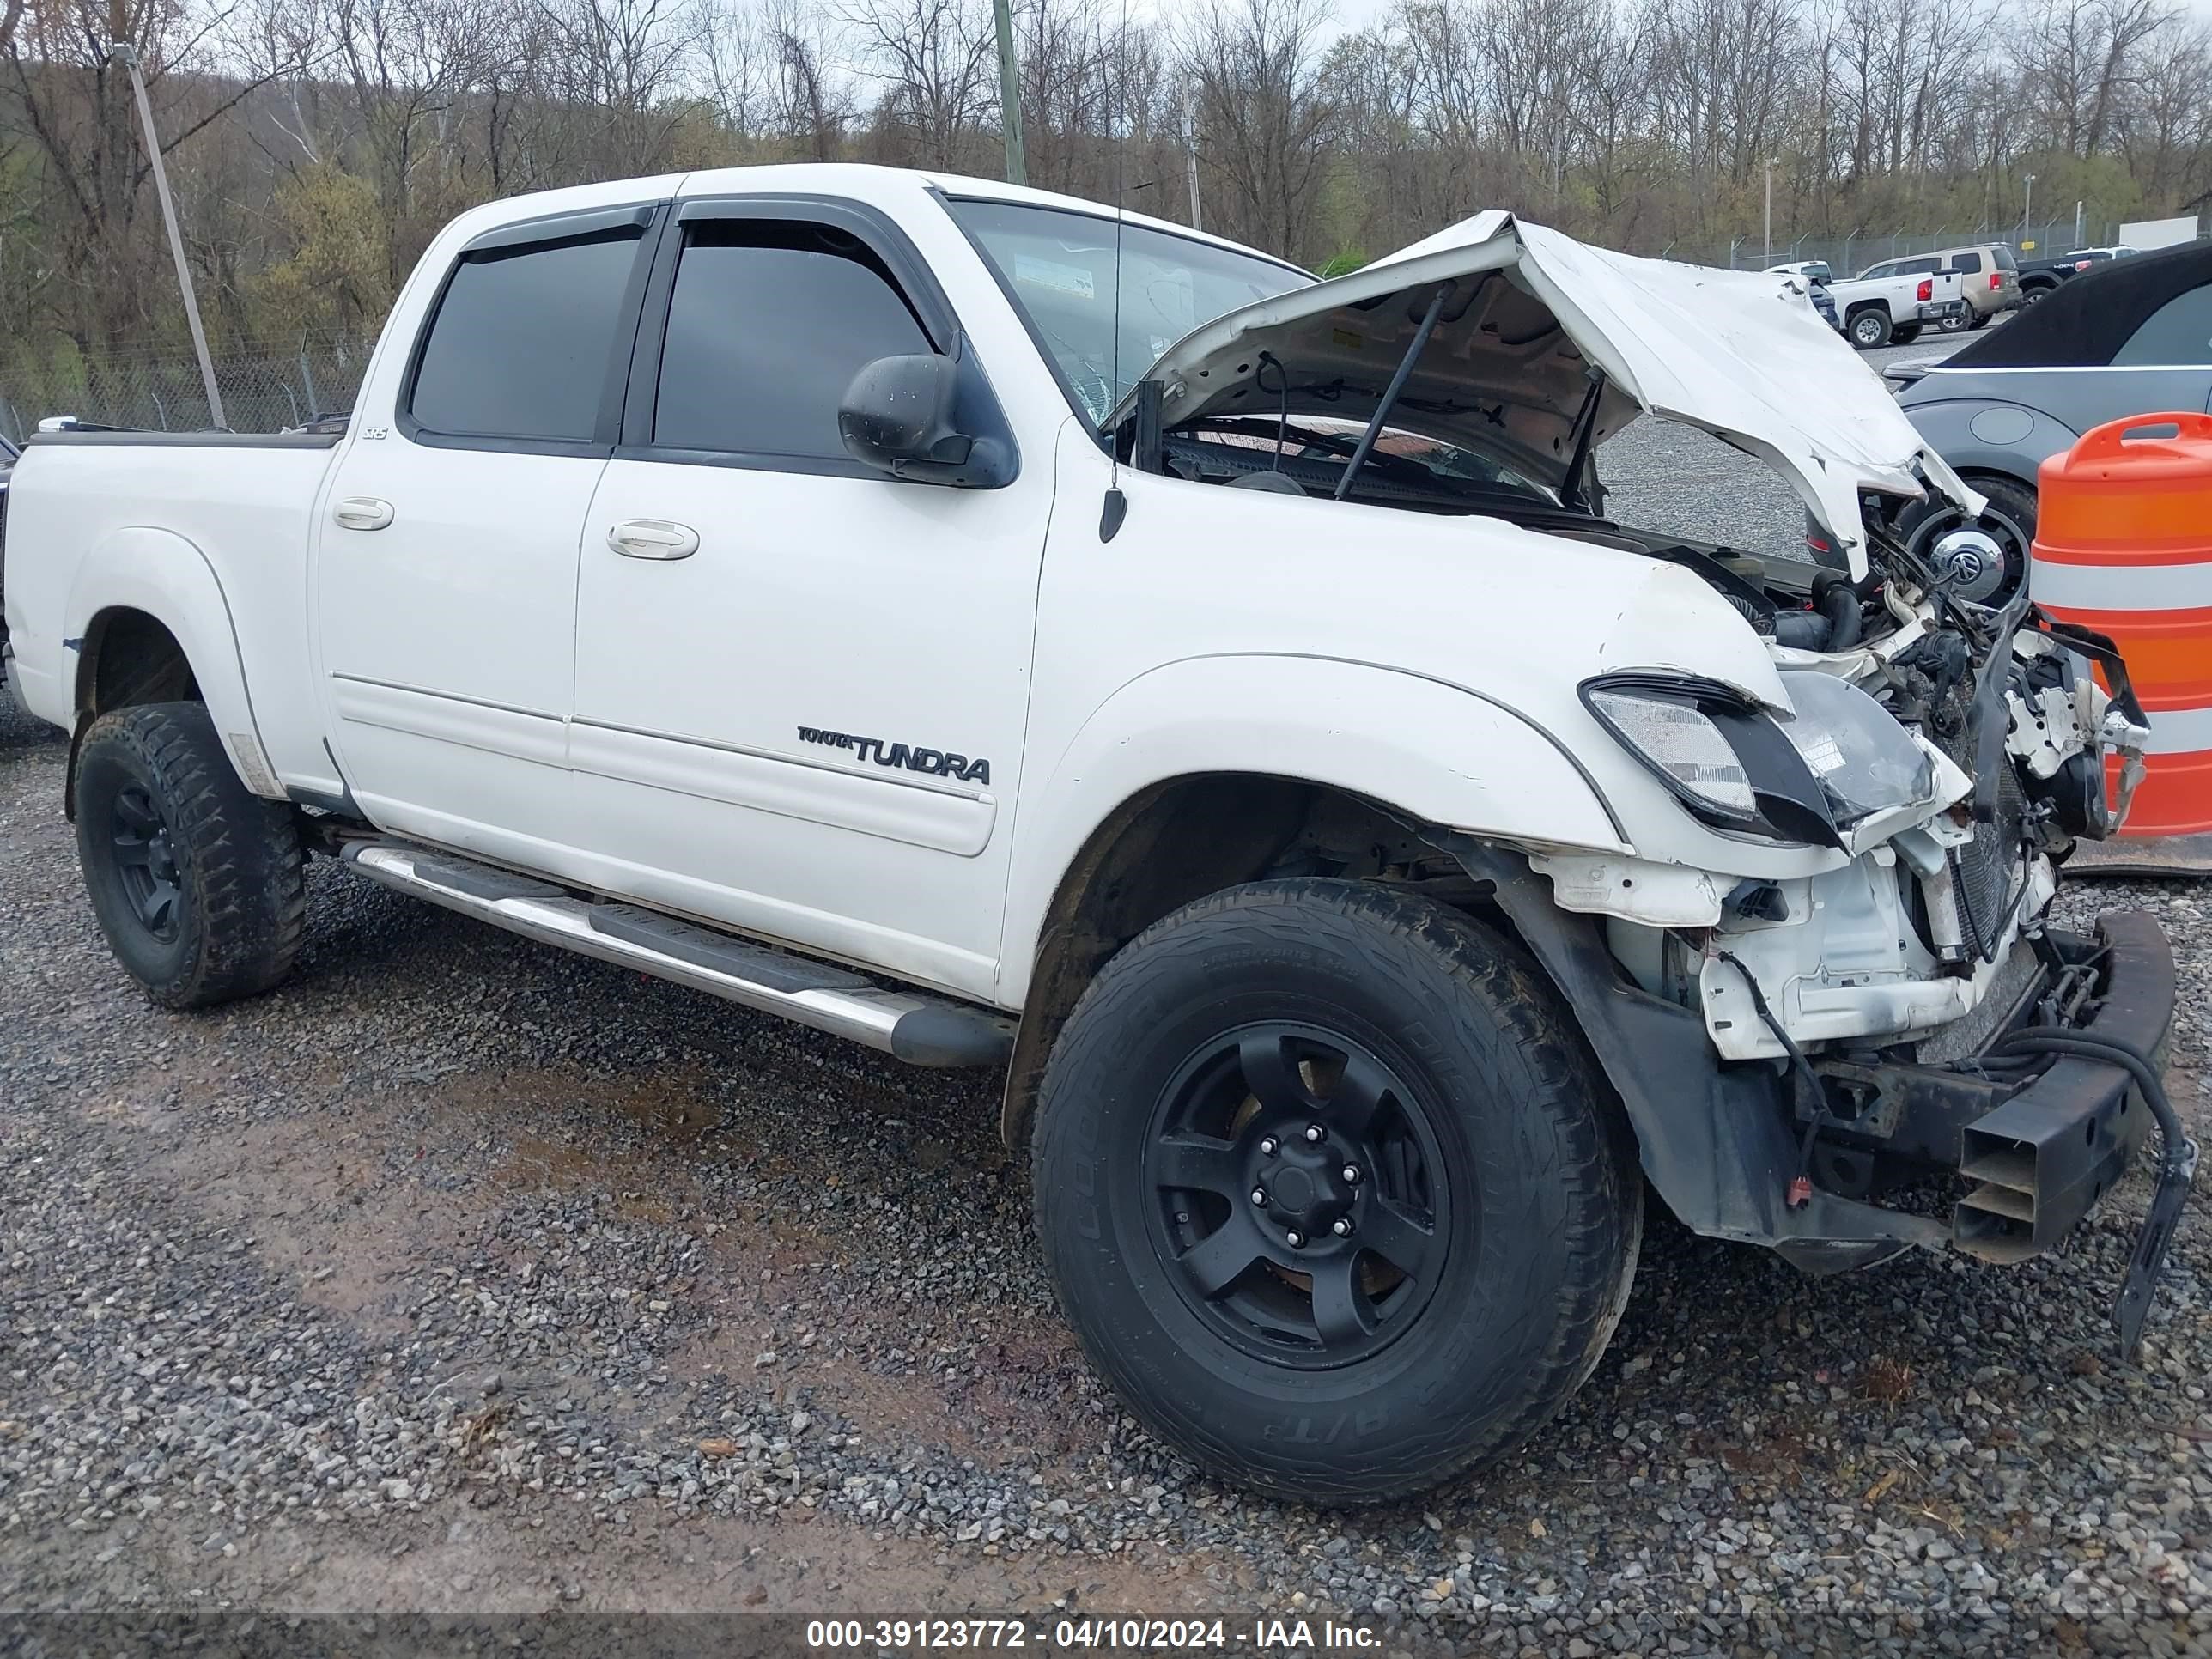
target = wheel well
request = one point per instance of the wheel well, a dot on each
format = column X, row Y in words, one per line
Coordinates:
column 1181, row 840
column 130, row 658
column 1991, row 475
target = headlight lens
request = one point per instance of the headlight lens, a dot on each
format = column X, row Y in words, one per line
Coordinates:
column 1719, row 753
column 1866, row 762
column 1680, row 743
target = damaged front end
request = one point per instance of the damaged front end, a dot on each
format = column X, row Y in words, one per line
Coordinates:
column 1817, row 969
column 1905, row 1014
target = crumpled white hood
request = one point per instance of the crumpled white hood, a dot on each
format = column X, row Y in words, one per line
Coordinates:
column 1742, row 356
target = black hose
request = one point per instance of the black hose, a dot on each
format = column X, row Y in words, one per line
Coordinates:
column 1838, row 601
column 1800, row 1191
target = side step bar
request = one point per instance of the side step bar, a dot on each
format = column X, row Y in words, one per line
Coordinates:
column 918, row 1029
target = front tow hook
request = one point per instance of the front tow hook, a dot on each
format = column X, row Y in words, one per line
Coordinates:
column 2174, row 1174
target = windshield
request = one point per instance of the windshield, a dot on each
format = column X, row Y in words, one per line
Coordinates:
column 1059, row 268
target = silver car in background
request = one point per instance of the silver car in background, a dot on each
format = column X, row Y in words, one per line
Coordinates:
column 2132, row 337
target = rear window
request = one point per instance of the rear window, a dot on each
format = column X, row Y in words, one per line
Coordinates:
column 2179, row 332
column 523, row 336
column 2005, row 261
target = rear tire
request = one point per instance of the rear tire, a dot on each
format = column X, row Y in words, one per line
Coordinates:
column 1219, row 1087
column 1868, row 328
column 197, row 882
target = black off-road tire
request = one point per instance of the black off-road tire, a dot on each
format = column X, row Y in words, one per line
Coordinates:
column 1537, row 1195
column 235, row 909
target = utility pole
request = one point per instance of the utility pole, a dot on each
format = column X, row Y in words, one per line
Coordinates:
column 1770, row 212
column 1010, row 92
column 1190, row 153
column 2077, row 223
column 124, row 53
column 2027, row 205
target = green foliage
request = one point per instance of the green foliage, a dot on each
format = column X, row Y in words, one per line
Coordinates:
column 1344, row 261
column 336, row 281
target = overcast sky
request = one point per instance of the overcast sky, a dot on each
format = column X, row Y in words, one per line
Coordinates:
column 1357, row 14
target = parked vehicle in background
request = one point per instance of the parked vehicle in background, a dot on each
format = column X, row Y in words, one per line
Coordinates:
column 1816, row 275
column 1989, row 281
column 2130, row 337
column 2038, row 278
column 1890, row 303
column 1813, row 270
column 1352, row 967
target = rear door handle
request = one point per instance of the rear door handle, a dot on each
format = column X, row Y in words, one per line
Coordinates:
column 362, row 512
column 653, row 538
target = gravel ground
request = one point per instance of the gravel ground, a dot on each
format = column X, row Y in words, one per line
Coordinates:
column 464, row 1275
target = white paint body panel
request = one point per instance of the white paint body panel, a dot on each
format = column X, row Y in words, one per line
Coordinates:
column 1739, row 354
column 492, row 675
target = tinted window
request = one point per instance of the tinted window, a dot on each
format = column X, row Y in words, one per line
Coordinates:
column 1915, row 267
column 768, row 324
column 521, row 345
column 2179, row 332
column 2005, row 261
column 1966, row 262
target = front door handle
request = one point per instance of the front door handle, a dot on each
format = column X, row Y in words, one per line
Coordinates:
column 362, row 512
column 653, row 538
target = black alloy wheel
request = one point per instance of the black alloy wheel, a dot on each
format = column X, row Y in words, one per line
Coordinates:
column 1299, row 1201
column 145, row 861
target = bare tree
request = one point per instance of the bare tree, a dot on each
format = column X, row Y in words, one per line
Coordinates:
column 1265, row 122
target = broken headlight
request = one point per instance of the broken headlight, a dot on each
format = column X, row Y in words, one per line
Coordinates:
column 1865, row 760
column 1723, row 756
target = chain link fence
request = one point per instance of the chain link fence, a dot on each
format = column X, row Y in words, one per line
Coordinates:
column 264, row 388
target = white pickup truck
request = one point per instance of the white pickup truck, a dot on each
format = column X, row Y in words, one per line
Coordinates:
column 952, row 617
column 1878, row 310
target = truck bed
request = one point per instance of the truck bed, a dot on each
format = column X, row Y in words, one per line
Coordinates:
column 159, row 512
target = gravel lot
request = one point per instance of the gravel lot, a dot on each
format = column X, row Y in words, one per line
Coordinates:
column 464, row 1275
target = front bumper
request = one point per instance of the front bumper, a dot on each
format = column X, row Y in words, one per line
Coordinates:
column 1725, row 1144
column 2043, row 1160
column 2041, row 1150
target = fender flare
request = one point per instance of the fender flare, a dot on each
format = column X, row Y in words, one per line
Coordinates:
column 141, row 568
column 1432, row 750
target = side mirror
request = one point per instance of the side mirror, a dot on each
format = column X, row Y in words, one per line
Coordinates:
column 904, row 416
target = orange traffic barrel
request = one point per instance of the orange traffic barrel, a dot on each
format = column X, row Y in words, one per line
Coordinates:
column 2124, row 545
